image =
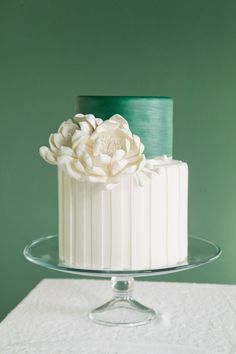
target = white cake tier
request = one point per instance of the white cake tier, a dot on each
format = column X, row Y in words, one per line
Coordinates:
column 129, row 227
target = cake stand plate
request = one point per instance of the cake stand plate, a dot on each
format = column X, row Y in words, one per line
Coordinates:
column 122, row 310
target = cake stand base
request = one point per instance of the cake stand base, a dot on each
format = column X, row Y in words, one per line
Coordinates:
column 122, row 310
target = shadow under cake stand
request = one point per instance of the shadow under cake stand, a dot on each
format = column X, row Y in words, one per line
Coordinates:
column 122, row 309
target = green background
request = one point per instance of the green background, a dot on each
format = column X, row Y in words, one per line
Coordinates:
column 52, row 51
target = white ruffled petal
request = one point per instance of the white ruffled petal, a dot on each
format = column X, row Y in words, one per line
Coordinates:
column 117, row 118
column 96, row 147
column 79, row 117
column 106, row 126
column 141, row 163
column 127, row 146
column 153, row 164
column 99, row 121
column 87, row 159
column 78, row 134
column 136, row 140
column 65, row 150
column 86, row 127
column 55, row 141
column 102, row 159
column 97, row 171
column 64, row 159
column 80, row 149
column 79, row 167
column 118, row 155
column 118, row 166
column 141, row 148
column 130, row 169
column 48, row 155
column 92, row 120
column 71, row 171
column 126, row 132
column 141, row 178
column 67, row 128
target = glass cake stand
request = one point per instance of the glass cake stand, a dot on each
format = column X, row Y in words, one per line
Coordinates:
column 122, row 310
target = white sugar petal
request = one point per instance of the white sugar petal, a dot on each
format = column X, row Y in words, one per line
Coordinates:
column 103, row 159
column 96, row 147
column 48, row 155
column 80, row 149
column 70, row 170
column 98, row 171
column 87, row 159
column 78, row 165
column 91, row 119
column 137, row 141
column 78, row 134
column 67, row 128
column 85, row 127
column 64, row 159
column 55, row 141
column 58, row 139
column 141, row 177
column 65, row 150
column 141, row 148
column 131, row 169
column 118, row 155
column 78, row 117
column 126, row 132
column 127, row 146
column 99, row 121
column 117, row 118
column 106, row 126
column 142, row 162
column 118, row 166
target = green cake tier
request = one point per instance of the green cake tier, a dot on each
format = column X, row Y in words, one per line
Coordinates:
column 149, row 117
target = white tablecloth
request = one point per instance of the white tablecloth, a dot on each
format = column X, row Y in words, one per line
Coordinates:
column 52, row 319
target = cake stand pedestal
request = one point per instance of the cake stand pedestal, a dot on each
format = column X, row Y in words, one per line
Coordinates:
column 122, row 309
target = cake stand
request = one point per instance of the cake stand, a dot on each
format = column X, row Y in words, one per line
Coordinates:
column 122, row 310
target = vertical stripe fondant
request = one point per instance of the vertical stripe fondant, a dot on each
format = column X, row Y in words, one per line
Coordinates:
column 126, row 223
column 116, row 227
column 129, row 227
column 96, row 196
column 61, row 215
column 158, row 211
column 183, row 210
column 173, row 204
column 67, row 219
column 140, row 224
column 87, row 221
column 106, row 229
column 78, row 196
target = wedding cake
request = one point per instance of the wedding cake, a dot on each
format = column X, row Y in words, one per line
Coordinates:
column 119, row 207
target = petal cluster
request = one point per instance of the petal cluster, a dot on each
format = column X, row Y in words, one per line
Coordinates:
column 90, row 149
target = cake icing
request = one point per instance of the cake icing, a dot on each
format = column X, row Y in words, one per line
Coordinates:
column 117, row 209
column 128, row 227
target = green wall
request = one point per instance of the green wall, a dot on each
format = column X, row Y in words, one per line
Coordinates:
column 53, row 50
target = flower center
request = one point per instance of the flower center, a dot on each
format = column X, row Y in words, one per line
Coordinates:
column 109, row 144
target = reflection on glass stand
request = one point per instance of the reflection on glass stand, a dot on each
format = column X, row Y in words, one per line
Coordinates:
column 122, row 309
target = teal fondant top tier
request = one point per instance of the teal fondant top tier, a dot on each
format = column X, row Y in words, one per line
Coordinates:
column 149, row 117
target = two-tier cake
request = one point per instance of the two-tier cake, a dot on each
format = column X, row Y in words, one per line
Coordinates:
column 122, row 198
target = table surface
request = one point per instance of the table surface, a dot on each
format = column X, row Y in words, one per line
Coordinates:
column 52, row 319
